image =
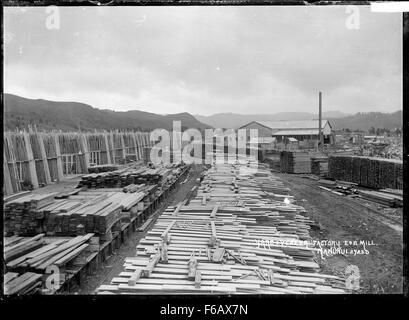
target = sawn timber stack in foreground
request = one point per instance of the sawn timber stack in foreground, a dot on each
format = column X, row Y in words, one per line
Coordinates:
column 211, row 244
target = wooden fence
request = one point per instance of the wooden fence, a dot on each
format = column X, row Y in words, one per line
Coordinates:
column 34, row 158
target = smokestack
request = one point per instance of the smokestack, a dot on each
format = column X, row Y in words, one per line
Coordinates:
column 319, row 120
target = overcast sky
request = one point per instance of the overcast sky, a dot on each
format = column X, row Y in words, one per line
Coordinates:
column 206, row 60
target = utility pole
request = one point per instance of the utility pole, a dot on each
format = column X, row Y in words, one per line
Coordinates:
column 319, row 121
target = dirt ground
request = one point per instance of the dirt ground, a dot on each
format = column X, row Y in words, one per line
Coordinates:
column 114, row 264
column 341, row 218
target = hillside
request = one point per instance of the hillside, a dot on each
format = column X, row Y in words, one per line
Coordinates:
column 364, row 121
column 339, row 120
column 234, row 120
column 20, row 112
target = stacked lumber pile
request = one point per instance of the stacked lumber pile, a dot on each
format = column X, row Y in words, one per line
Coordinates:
column 15, row 196
column 21, row 214
column 102, row 168
column 396, row 192
column 140, row 175
column 134, row 188
column 368, row 172
column 213, row 245
column 89, row 212
column 319, row 166
column 27, row 259
column 27, row 283
column 295, row 162
column 39, row 252
column 384, row 198
column 75, row 214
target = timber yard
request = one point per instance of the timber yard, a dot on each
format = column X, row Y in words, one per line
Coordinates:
column 229, row 151
column 89, row 213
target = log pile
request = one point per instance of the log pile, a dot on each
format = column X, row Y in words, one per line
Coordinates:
column 295, row 162
column 213, row 245
column 368, row 172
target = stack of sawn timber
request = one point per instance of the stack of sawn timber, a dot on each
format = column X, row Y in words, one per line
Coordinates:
column 21, row 214
column 27, row 283
column 319, row 166
column 89, row 211
column 77, row 214
column 132, row 175
column 30, row 258
column 295, row 162
column 385, row 198
column 212, row 244
column 102, row 168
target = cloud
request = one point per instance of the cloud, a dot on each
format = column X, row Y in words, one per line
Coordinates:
column 206, row 60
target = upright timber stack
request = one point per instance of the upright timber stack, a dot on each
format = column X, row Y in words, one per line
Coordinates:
column 295, row 162
column 368, row 172
column 33, row 159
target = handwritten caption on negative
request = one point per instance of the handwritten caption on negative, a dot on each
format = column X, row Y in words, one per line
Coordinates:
column 326, row 248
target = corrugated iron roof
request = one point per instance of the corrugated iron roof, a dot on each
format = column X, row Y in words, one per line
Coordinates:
column 263, row 140
column 296, row 132
column 299, row 124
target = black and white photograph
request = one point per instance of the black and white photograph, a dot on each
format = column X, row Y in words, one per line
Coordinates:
column 213, row 150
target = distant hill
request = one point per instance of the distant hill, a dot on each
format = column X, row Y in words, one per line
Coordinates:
column 20, row 112
column 364, row 121
column 234, row 120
